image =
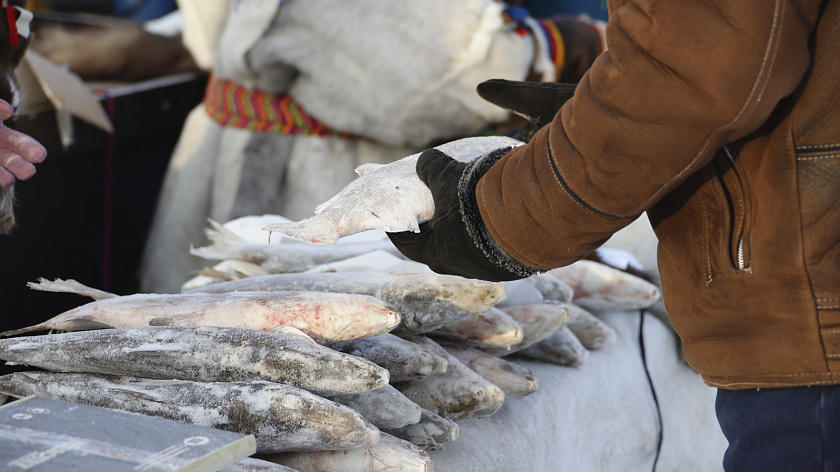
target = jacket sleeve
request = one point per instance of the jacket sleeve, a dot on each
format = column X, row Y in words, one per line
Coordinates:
column 680, row 79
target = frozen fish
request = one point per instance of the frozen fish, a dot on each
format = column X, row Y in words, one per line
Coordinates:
column 70, row 286
column 404, row 360
column 593, row 333
column 326, row 317
column 384, row 407
column 538, row 321
column 281, row 417
column 425, row 301
column 203, row 353
column 600, row 288
column 561, row 348
column 551, row 288
column 282, row 258
column 493, row 328
column 458, row 393
column 515, row 380
column 390, row 197
column 390, row 454
column 431, row 432
column 249, row 464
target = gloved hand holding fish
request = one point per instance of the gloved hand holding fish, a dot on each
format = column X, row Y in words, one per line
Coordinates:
column 390, row 197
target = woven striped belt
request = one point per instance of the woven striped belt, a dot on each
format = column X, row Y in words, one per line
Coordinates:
column 545, row 33
column 231, row 104
column 556, row 47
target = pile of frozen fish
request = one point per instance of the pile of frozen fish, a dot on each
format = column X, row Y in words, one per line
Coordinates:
column 329, row 369
column 336, row 357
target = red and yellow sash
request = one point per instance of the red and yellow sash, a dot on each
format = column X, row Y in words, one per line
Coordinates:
column 231, row 104
column 556, row 47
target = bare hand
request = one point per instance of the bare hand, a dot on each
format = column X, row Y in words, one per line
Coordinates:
column 18, row 152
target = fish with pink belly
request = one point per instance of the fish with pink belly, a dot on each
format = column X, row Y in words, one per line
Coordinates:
column 324, row 316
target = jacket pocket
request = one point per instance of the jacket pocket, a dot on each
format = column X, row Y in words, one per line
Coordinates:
column 818, row 170
column 703, row 225
column 722, row 193
column 736, row 191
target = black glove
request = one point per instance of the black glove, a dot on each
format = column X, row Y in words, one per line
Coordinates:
column 455, row 241
column 537, row 102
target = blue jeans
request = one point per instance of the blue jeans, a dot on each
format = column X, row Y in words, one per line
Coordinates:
column 781, row 429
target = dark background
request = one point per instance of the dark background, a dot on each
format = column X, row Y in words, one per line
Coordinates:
column 85, row 215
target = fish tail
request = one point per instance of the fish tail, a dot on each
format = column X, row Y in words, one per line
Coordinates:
column 223, row 241
column 28, row 329
column 69, row 286
column 221, row 235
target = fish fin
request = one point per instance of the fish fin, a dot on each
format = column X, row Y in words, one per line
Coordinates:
column 69, row 286
column 223, row 240
column 238, row 269
column 401, row 225
column 136, row 394
column 79, row 324
column 184, row 319
column 61, row 323
column 29, row 329
column 217, row 274
column 302, row 230
column 221, row 235
column 367, row 168
column 293, row 332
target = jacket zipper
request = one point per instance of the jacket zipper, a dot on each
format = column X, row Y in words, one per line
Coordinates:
column 740, row 263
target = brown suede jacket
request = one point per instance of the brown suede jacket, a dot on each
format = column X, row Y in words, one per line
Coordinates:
column 721, row 119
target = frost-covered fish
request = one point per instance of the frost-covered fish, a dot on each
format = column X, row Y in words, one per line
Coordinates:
column 281, row 417
column 600, row 288
column 538, row 321
column 493, row 328
column 552, row 288
column 561, row 348
column 204, row 353
column 282, row 258
column 593, row 333
column 390, row 454
column 249, row 464
column 404, row 360
column 515, row 380
column 458, row 393
column 384, row 407
column 389, row 197
column 425, row 301
column 326, row 317
column 431, row 432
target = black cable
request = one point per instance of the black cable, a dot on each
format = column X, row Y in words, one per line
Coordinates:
column 652, row 389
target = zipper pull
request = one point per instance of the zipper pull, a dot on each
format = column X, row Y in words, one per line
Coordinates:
column 728, row 154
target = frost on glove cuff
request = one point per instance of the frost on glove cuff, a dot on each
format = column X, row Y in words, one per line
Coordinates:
column 472, row 217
